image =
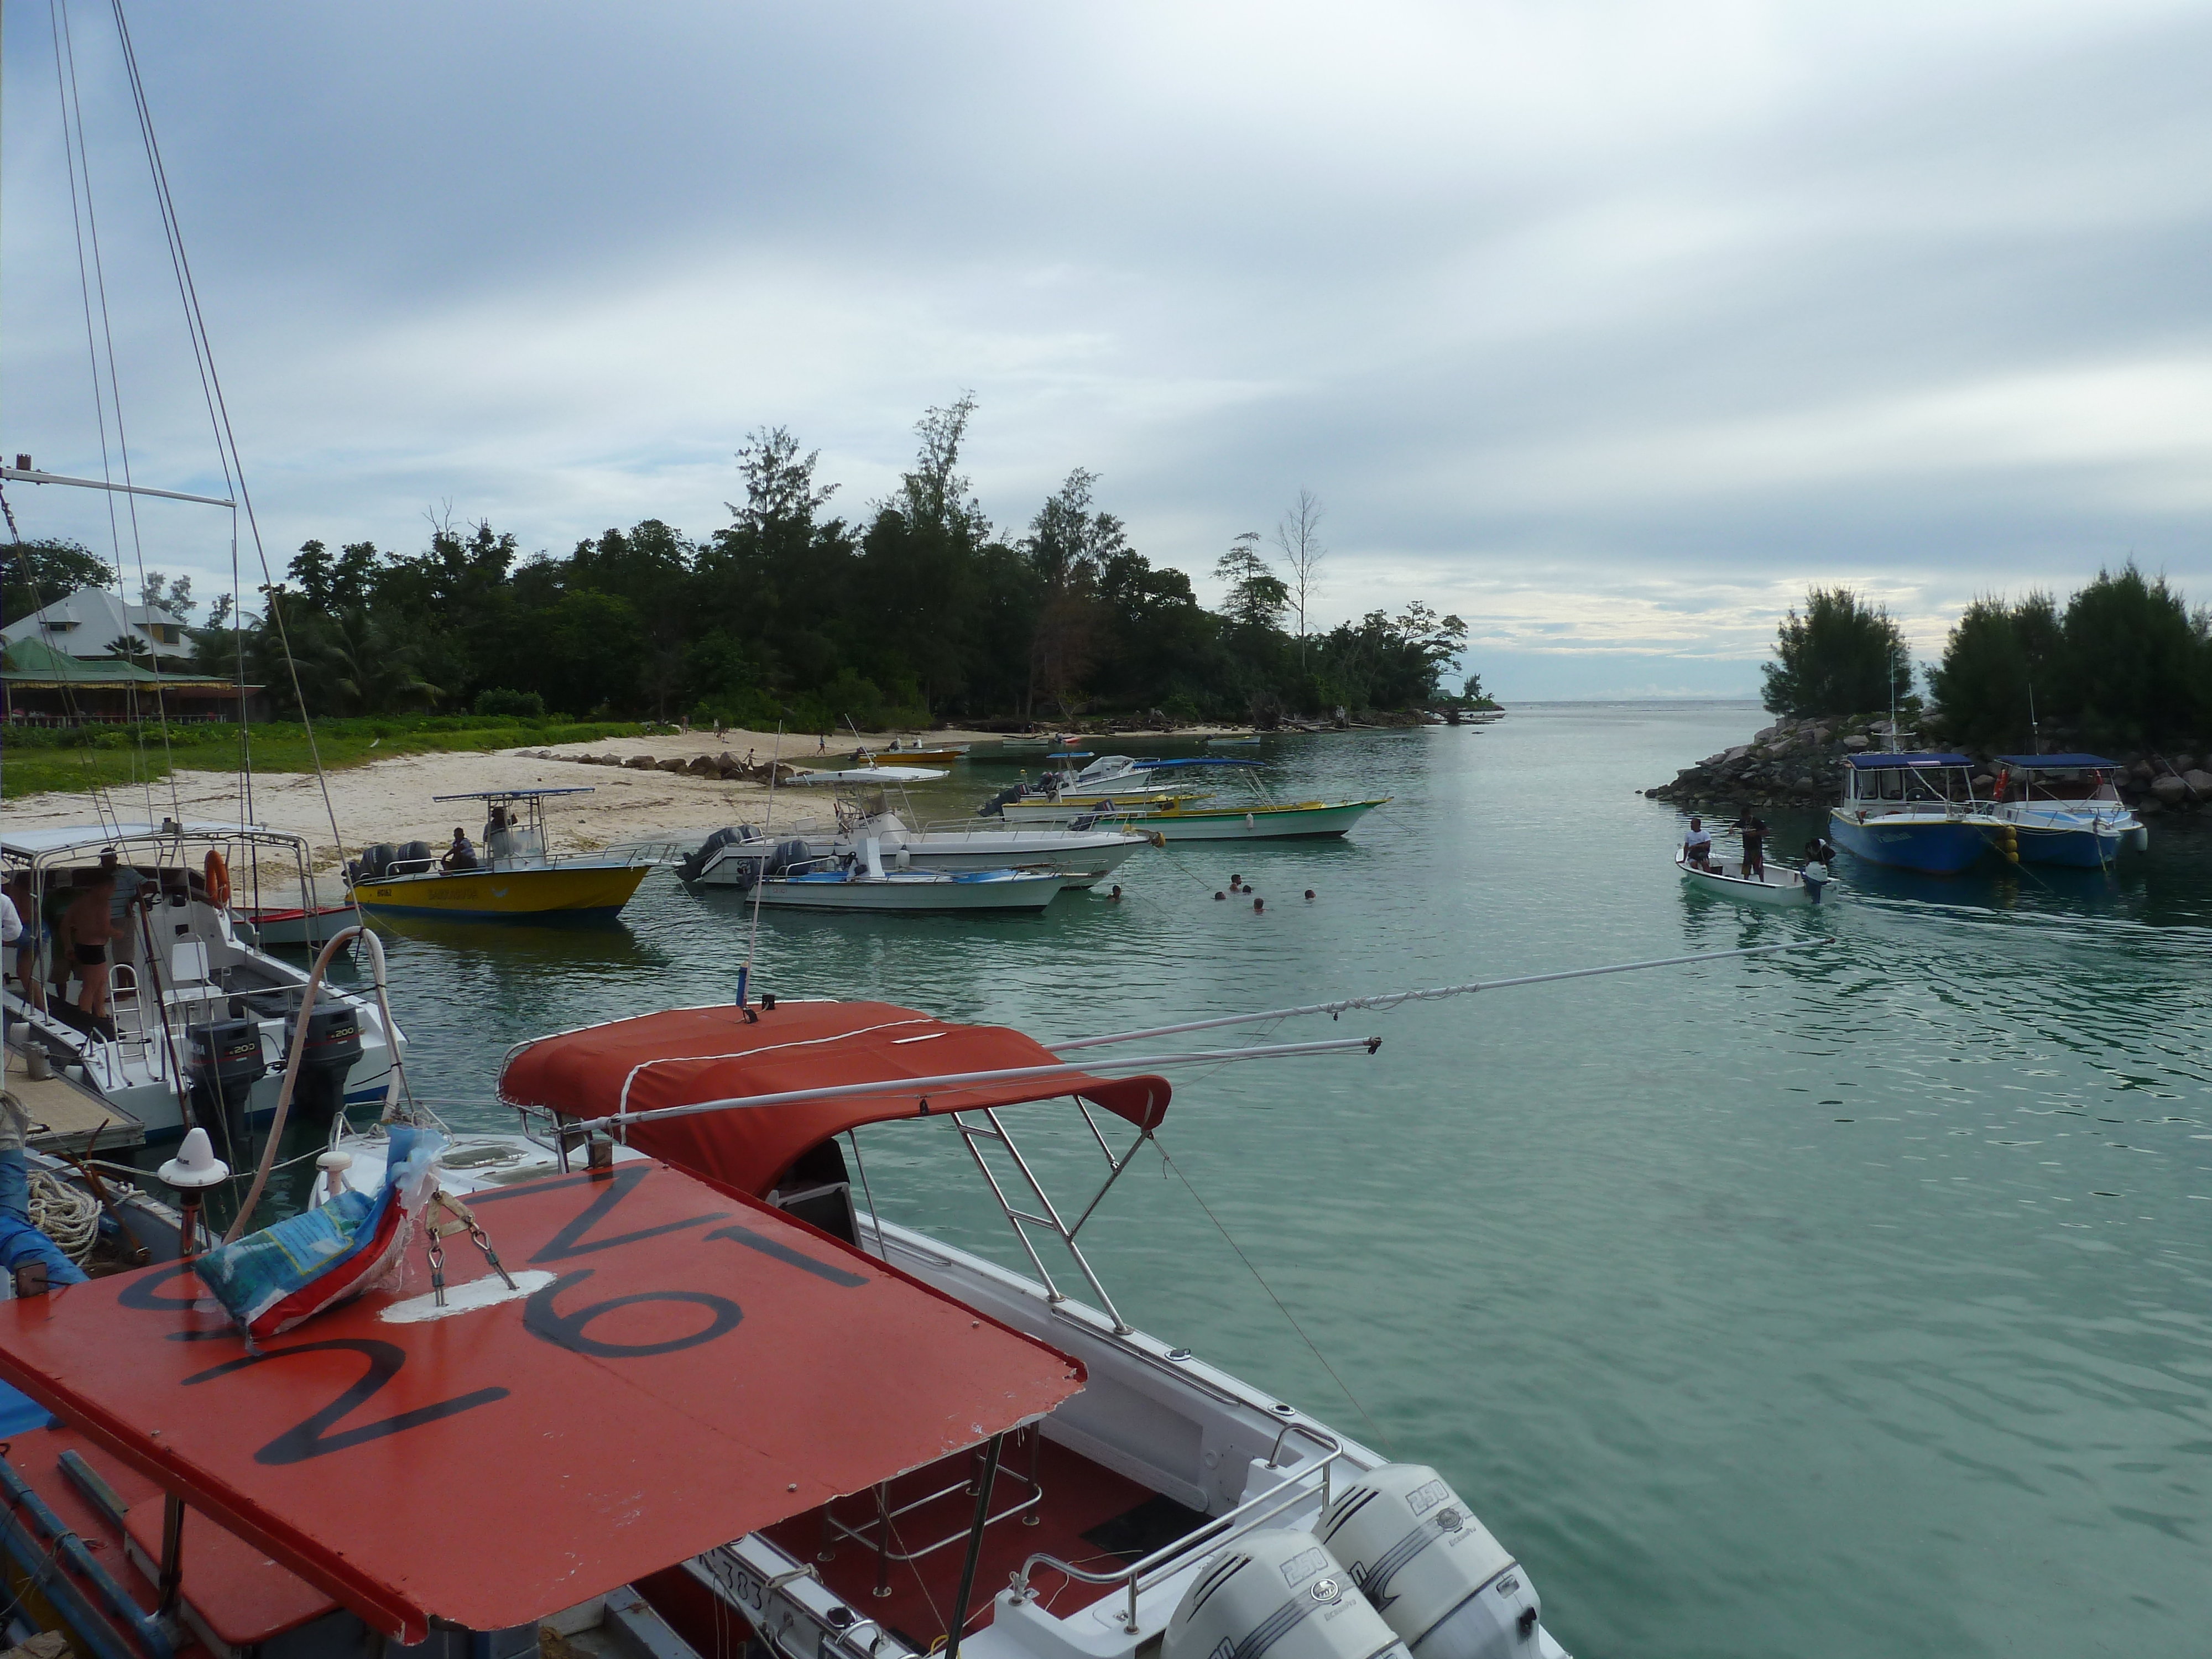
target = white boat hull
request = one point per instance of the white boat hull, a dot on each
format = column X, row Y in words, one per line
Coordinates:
column 1295, row 822
column 911, row 892
column 1779, row 887
column 1081, row 859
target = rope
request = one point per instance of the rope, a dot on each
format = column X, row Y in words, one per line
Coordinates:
column 68, row 1215
column 1380, row 1433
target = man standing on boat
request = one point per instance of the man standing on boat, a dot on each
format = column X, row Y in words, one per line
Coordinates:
column 1752, row 829
column 91, row 928
column 1698, row 845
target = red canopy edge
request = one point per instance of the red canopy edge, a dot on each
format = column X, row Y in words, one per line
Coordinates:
column 679, row 1374
column 685, row 1056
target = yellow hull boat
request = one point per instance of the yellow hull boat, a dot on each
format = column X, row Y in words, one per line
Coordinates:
column 559, row 891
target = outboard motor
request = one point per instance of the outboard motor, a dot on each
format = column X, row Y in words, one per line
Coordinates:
column 788, row 856
column 417, row 854
column 995, row 807
column 377, row 860
column 1430, row 1568
column 1282, row 1591
column 333, row 1045
column 226, row 1063
column 695, row 861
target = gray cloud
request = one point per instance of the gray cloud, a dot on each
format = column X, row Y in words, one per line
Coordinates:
column 1610, row 327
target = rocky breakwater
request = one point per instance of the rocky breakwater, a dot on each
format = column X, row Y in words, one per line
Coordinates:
column 1801, row 764
column 1790, row 763
column 725, row 767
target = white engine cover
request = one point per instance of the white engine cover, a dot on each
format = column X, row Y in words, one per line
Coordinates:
column 1276, row 1595
column 1430, row 1568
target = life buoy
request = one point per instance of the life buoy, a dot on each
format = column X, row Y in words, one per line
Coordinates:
column 218, row 879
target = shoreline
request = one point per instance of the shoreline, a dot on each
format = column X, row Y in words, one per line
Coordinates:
column 390, row 799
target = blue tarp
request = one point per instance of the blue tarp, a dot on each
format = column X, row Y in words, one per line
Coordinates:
column 1913, row 759
column 2056, row 762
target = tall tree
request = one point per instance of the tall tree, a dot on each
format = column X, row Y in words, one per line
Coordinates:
column 1842, row 657
column 1298, row 534
column 1067, row 546
column 33, row 574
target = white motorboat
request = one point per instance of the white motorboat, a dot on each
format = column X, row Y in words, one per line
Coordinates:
column 198, row 1014
column 789, row 878
column 1774, row 884
column 2068, row 811
column 1176, row 814
column 732, row 857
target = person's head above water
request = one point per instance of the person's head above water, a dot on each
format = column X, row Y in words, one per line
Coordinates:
column 1259, row 904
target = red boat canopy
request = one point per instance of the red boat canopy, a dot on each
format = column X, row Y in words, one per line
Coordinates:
column 687, row 1055
column 686, row 1366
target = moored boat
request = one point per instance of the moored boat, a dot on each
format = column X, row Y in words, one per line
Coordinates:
column 2068, row 811
column 1914, row 810
column 199, row 1016
column 295, row 925
column 512, row 878
column 1081, row 858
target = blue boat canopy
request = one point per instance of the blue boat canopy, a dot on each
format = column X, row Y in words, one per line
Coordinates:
column 1915, row 759
column 2057, row 763
column 1203, row 760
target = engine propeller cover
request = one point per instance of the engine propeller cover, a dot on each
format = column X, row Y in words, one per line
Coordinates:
column 1430, row 1568
column 1276, row 1595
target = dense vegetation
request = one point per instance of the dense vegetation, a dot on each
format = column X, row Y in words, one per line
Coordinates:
column 2124, row 662
column 918, row 609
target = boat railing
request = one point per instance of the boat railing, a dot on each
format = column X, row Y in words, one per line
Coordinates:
column 1139, row 1575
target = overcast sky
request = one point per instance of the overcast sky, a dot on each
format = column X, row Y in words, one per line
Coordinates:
column 1608, row 326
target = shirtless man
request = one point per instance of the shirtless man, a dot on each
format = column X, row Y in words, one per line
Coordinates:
column 91, row 930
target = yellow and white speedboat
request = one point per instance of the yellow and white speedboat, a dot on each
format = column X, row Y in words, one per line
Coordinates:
column 512, row 877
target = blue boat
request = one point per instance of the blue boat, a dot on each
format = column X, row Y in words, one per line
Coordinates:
column 2068, row 811
column 1916, row 811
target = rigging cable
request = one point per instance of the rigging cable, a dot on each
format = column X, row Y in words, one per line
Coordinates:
column 121, row 439
column 219, row 413
column 1381, row 1433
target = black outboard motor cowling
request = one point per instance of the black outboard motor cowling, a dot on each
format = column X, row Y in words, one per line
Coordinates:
column 225, row 1063
column 695, row 861
column 333, row 1046
column 377, row 859
column 418, row 854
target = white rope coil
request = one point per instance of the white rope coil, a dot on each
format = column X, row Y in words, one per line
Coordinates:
column 68, row 1215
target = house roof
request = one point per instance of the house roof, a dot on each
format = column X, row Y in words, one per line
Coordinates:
column 33, row 662
column 87, row 619
column 689, row 1056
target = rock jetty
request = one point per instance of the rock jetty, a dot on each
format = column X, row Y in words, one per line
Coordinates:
column 1799, row 763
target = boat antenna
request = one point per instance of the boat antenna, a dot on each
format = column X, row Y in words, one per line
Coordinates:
column 768, row 826
column 2034, row 731
column 1384, row 1001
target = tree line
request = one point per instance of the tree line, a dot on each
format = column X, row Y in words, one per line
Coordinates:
column 2125, row 661
column 918, row 609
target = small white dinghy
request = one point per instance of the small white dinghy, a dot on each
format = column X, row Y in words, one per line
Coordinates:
column 1776, row 884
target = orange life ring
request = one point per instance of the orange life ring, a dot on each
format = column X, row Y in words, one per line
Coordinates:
column 218, row 879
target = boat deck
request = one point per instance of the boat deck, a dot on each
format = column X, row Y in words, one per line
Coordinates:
column 1086, row 1514
column 68, row 1117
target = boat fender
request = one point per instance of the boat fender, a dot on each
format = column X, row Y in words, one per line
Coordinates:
column 1159, row 838
column 218, row 878
column 1248, row 820
column 1445, row 1587
column 1281, row 1592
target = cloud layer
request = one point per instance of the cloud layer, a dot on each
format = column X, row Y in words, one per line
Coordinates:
column 1610, row 327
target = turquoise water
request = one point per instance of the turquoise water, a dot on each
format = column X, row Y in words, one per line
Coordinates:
column 1850, row 1301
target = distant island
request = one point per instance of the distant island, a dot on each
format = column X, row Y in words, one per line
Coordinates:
column 2123, row 668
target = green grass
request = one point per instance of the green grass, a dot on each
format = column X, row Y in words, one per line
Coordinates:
column 74, row 759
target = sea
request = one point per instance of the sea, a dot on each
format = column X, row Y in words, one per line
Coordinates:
column 1855, row 1299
